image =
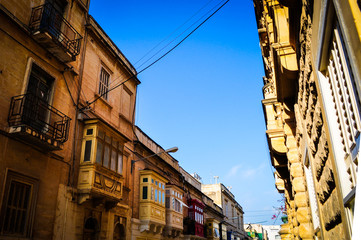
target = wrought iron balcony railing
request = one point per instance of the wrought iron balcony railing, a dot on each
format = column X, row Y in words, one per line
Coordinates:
column 31, row 112
column 46, row 19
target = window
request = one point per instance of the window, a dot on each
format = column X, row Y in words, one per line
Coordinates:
column 102, row 146
column 104, row 83
column 156, row 193
column 126, row 103
column 342, row 105
column 109, row 152
column 18, row 205
column 145, row 192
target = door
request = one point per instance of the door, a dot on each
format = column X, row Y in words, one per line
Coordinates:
column 36, row 111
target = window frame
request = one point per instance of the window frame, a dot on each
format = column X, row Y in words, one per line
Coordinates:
column 12, row 176
column 104, row 83
column 97, row 147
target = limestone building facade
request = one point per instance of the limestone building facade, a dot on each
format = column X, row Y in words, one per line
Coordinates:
column 312, row 111
column 41, row 43
column 72, row 163
column 64, row 165
column 232, row 210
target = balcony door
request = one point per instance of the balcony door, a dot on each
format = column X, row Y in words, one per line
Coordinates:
column 53, row 17
column 38, row 93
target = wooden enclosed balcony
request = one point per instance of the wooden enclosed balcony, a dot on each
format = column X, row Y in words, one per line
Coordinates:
column 152, row 202
column 38, row 123
column 101, row 185
column 51, row 30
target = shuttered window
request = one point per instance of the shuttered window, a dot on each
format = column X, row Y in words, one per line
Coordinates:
column 18, row 205
column 104, row 83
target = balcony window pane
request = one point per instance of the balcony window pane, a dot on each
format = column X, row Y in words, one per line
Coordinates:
column 120, row 163
column 107, row 139
column 87, row 151
column 156, row 195
column 101, row 134
column 106, row 156
column 113, row 162
column 163, row 198
column 145, row 192
column 145, row 179
column 89, row 131
column 99, row 152
column 167, row 202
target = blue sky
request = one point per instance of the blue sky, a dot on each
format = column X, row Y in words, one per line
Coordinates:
column 205, row 96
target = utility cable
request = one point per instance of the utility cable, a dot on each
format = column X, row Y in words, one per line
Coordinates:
column 180, row 34
column 173, row 31
column 71, row 96
column 157, row 60
column 116, row 82
column 177, row 35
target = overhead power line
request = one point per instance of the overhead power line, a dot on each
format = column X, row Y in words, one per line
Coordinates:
column 212, row 9
column 209, row 11
column 157, row 60
column 167, row 37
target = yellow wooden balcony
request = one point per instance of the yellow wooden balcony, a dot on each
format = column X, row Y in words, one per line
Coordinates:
column 174, row 211
column 101, row 166
column 152, row 202
column 96, row 182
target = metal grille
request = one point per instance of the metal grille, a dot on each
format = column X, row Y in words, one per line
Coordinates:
column 46, row 18
column 29, row 110
column 17, row 209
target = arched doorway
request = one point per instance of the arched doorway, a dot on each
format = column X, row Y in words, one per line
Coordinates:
column 91, row 229
column 119, row 232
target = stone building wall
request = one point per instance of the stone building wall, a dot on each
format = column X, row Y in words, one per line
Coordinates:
column 297, row 132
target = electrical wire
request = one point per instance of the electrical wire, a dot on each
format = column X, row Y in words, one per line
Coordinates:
column 71, row 96
column 173, row 32
column 157, row 60
column 180, row 34
column 116, row 82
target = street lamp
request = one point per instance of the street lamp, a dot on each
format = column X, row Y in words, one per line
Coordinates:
column 169, row 150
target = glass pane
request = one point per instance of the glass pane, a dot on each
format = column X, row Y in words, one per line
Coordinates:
column 145, row 179
column 101, row 134
column 156, row 195
column 99, row 152
column 113, row 162
column 88, row 149
column 89, row 131
column 167, row 205
column 120, row 164
column 145, row 192
column 107, row 139
column 106, row 156
column 163, row 198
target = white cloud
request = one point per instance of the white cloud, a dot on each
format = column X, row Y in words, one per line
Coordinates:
column 233, row 171
column 253, row 172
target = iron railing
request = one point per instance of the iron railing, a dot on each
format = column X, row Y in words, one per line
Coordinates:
column 30, row 111
column 46, row 18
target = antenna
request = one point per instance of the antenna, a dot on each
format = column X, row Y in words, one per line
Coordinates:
column 216, row 179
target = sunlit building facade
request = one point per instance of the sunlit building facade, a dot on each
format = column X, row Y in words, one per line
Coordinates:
column 312, row 111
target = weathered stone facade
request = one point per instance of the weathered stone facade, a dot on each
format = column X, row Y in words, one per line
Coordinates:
column 304, row 49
